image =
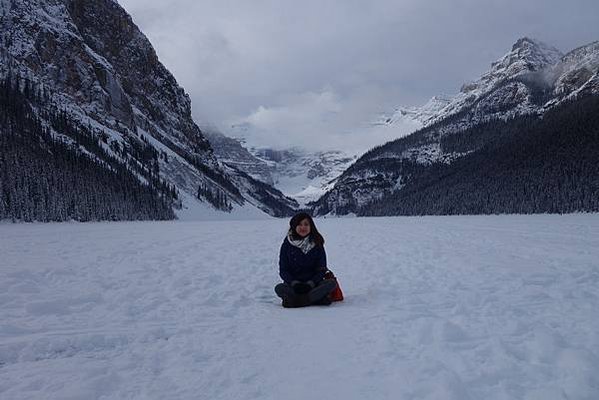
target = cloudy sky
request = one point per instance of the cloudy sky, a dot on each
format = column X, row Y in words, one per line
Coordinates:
column 314, row 72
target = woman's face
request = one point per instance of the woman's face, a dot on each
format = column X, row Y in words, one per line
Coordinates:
column 303, row 228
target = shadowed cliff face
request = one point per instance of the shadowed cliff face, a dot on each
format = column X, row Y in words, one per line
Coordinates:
column 92, row 54
column 108, row 30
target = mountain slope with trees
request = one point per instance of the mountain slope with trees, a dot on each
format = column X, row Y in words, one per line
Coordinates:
column 45, row 178
column 525, row 165
column 529, row 81
column 100, row 73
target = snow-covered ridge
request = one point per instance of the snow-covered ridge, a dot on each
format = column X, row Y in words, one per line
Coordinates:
column 423, row 115
column 527, row 56
column 577, row 70
column 529, row 60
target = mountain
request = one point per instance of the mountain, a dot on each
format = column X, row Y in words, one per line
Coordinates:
column 301, row 174
column 98, row 71
column 307, row 175
column 232, row 152
column 298, row 173
column 523, row 86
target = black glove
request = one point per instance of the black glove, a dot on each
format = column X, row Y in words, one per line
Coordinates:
column 301, row 287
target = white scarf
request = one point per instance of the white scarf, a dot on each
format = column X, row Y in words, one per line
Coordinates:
column 305, row 244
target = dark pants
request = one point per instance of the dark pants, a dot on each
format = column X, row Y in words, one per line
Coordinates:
column 299, row 298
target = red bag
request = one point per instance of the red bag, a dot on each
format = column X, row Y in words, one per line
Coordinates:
column 336, row 294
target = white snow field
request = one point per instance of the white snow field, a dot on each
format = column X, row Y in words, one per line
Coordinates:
column 493, row 307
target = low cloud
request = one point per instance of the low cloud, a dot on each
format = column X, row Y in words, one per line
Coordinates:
column 315, row 72
column 321, row 120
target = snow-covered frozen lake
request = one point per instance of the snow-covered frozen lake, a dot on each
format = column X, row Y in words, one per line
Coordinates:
column 497, row 307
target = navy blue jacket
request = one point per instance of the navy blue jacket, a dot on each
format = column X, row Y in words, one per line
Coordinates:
column 294, row 265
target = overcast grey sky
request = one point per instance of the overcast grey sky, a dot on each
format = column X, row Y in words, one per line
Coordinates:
column 310, row 71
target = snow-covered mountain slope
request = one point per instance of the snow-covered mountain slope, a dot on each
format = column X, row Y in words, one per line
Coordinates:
column 577, row 73
column 448, row 308
column 507, row 88
column 232, row 152
column 304, row 175
column 99, row 68
column 529, row 80
column 262, row 195
column 418, row 116
column 299, row 174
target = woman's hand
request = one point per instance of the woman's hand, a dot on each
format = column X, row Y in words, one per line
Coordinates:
column 302, row 287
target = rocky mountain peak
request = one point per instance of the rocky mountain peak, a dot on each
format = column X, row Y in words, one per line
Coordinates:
column 529, row 45
column 527, row 55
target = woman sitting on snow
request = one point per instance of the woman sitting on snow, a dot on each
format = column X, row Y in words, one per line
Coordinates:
column 303, row 265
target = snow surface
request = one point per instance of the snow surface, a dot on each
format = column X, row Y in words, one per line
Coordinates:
column 488, row 307
column 193, row 210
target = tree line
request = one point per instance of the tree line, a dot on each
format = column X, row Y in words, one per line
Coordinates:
column 48, row 177
column 523, row 165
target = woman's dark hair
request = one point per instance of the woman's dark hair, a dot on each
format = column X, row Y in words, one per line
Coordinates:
column 314, row 234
